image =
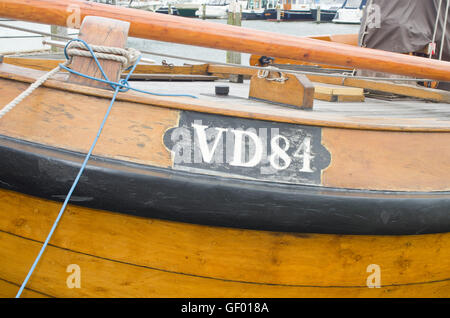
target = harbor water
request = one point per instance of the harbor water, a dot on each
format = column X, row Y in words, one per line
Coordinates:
column 14, row 41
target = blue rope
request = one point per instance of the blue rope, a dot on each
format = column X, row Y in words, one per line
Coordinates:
column 121, row 86
column 124, row 85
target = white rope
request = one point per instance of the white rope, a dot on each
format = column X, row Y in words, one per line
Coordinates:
column 29, row 90
column 125, row 56
column 436, row 24
column 444, row 29
column 270, row 70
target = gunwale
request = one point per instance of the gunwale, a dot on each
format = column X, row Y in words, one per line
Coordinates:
column 269, row 112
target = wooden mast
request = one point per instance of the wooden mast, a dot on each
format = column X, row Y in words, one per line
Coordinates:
column 170, row 28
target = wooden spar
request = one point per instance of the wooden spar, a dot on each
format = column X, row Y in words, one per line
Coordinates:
column 170, row 28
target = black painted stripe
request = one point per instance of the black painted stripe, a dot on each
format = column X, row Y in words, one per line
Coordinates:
column 152, row 192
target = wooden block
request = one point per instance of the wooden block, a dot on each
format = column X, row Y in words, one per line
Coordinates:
column 99, row 31
column 338, row 94
column 297, row 90
column 425, row 93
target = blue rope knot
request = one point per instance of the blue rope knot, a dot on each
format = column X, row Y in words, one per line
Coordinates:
column 123, row 84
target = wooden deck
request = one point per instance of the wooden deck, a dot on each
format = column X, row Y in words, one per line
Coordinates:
column 399, row 111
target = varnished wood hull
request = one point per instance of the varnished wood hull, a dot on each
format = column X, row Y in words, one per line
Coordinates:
column 126, row 256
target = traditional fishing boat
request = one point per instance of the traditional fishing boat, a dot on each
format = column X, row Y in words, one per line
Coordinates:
column 260, row 189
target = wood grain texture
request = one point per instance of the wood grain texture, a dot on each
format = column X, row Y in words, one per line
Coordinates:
column 44, row 63
column 350, row 39
column 133, row 131
column 124, row 256
column 436, row 95
column 9, row 290
column 105, row 32
column 296, row 90
column 264, row 111
column 176, row 29
column 338, row 93
column 387, row 161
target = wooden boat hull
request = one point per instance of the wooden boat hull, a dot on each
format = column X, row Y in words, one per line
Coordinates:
column 349, row 204
column 139, row 225
column 128, row 188
column 127, row 256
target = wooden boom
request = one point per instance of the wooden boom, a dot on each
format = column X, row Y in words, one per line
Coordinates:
column 176, row 29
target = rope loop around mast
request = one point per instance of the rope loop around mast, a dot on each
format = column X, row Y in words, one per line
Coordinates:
column 131, row 54
column 127, row 56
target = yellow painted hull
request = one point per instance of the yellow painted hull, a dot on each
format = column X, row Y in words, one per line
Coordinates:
column 127, row 256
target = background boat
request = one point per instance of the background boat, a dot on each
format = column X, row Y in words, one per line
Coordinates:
column 298, row 10
column 218, row 9
column 188, row 8
column 328, row 9
column 168, row 10
column 351, row 12
column 254, row 10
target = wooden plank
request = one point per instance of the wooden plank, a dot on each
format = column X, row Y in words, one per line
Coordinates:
column 99, row 31
column 47, row 64
column 196, row 69
column 176, row 29
column 387, row 87
column 338, row 94
column 171, row 77
column 424, row 157
column 15, row 77
column 37, row 64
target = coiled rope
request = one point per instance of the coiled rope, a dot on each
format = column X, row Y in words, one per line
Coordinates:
column 76, row 47
column 127, row 56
